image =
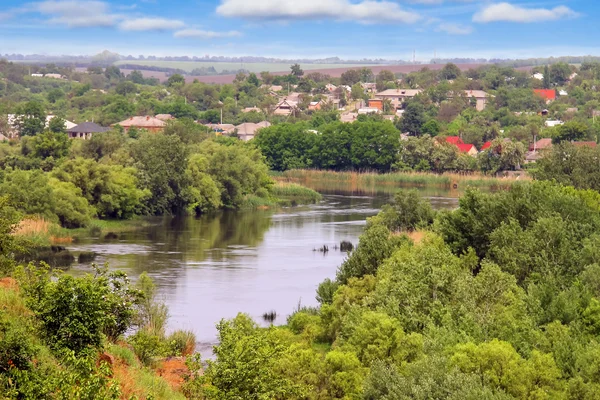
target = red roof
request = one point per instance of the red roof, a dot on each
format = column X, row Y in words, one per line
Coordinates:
column 547, row 94
column 486, row 146
column 454, row 140
column 585, row 144
column 465, row 148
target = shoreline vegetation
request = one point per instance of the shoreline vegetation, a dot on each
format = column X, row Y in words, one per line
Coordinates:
column 46, row 239
column 393, row 180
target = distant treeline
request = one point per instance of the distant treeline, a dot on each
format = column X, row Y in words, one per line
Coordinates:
column 528, row 62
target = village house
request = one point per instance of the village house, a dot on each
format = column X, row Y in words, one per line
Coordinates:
column 551, row 123
column 54, row 76
column 547, row 94
column 538, row 76
column 221, row 129
column 480, row 97
column 151, row 124
column 396, row 96
column 165, row 117
column 85, row 130
column 463, row 147
column 248, row 130
column 12, row 122
column 348, row 117
column 285, row 107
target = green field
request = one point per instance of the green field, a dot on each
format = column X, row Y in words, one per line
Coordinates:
column 220, row 66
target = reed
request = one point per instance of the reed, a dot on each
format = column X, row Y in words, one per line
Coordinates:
column 182, row 343
column 295, row 193
column 449, row 180
column 42, row 232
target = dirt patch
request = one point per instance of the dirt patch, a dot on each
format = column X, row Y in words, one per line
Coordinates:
column 126, row 382
column 173, row 370
column 9, row 283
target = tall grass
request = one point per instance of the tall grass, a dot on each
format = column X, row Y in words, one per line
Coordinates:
column 294, row 193
column 42, row 232
column 449, row 180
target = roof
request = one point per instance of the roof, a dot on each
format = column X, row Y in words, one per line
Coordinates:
column 68, row 124
column 486, row 145
column 249, row 128
column 542, row 144
column 454, row 140
column 548, row 94
column 477, row 93
column 465, row 148
column 223, row 128
column 585, row 144
column 164, row 117
column 142, row 122
column 250, row 109
column 88, row 127
column 400, row 92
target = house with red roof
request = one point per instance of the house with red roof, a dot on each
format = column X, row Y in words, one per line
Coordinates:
column 486, row 145
column 455, row 140
column 585, row 144
column 547, row 94
column 469, row 149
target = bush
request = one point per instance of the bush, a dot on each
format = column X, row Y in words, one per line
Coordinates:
column 181, row 343
column 147, row 346
column 76, row 313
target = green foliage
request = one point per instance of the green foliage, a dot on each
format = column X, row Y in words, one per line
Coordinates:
column 244, row 365
column 34, row 193
column 51, row 144
column 31, row 119
column 570, row 165
column 111, row 189
column 76, row 313
column 408, row 211
column 161, row 161
column 9, row 244
column 237, row 170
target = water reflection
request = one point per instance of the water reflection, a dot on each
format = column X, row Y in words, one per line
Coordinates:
column 255, row 261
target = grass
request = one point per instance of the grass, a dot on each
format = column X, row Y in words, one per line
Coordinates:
column 350, row 180
column 293, row 193
column 42, row 232
column 188, row 66
column 136, row 380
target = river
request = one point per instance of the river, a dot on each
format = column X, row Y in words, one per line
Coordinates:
column 253, row 262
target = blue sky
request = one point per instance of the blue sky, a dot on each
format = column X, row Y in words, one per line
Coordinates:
column 354, row 29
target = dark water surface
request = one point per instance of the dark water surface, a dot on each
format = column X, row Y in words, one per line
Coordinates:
column 215, row 266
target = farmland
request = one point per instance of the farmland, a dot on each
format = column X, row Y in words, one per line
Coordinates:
column 229, row 66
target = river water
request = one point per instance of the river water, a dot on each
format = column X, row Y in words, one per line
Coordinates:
column 214, row 267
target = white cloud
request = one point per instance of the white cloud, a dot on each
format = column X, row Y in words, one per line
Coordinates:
column 151, row 24
column 512, row 13
column 201, row 34
column 73, row 13
column 366, row 11
column 455, row 29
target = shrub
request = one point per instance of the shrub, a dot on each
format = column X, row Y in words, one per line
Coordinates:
column 181, row 343
column 75, row 313
column 147, row 346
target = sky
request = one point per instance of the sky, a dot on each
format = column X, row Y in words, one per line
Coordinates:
column 349, row 29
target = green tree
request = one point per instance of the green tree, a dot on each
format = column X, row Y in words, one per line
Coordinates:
column 51, row 144
column 413, row 118
column 450, row 71
column 244, row 365
column 57, row 125
column 297, row 70
column 30, row 119
column 111, row 189
column 161, row 161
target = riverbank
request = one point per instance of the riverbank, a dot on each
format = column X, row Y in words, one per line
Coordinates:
column 322, row 180
column 41, row 232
